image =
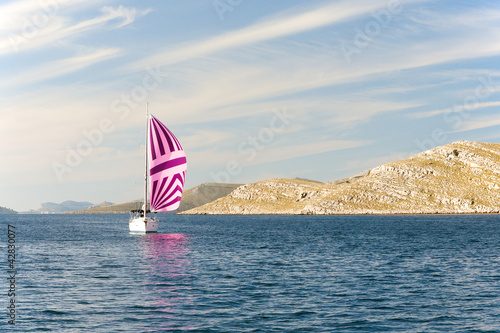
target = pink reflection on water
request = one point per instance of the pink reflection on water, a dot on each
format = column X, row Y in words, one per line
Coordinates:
column 167, row 256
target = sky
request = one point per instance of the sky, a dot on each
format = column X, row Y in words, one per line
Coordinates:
column 252, row 89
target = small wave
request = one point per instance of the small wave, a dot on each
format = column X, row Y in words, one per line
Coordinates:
column 304, row 313
column 55, row 312
column 84, row 302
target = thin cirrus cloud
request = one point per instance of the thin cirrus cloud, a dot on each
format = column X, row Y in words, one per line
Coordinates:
column 227, row 82
column 231, row 84
column 60, row 67
column 266, row 30
column 287, row 152
column 37, row 26
column 458, row 109
column 16, row 15
column 478, row 123
column 273, row 152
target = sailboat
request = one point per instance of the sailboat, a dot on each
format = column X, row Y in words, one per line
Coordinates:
column 166, row 168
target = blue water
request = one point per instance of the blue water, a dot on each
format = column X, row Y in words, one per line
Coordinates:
column 86, row 273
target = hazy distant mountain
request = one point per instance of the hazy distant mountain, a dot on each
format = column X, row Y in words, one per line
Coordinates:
column 102, row 204
column 462, row 177
column 66, row 206
column 4, row 210
column 191, row 198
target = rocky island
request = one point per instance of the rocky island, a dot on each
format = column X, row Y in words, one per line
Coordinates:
column 461, row 177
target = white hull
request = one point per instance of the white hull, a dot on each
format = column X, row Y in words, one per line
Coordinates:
column 143, row 225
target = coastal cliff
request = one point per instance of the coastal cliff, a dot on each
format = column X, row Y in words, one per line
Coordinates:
column 461, row 177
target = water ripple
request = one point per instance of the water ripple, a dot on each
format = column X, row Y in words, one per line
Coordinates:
column 259, row 274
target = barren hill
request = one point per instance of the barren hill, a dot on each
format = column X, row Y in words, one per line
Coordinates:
column 193, row 197
column 205, row 193
column 462, row 177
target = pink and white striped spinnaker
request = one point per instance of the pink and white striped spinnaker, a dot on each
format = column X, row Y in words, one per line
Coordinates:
column 167, row 167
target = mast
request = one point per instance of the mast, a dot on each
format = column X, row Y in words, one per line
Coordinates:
column 146, row 163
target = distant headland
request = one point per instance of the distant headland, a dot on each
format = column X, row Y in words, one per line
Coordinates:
column 4, row 210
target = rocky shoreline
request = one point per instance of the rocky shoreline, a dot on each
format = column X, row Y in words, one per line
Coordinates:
column 459, row 178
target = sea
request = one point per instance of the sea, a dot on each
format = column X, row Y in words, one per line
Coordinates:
column 87, row 273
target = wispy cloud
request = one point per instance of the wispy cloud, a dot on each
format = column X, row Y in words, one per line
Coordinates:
column 458, row 108
column 479, row 122
column 223, row 86
column 441, row 49
column 225, row 83
column 267, row 30
column 16, row 15
column 290, row 151
column 29, row 24
column 127, row 14
column 59, row 67
column 273, row 152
